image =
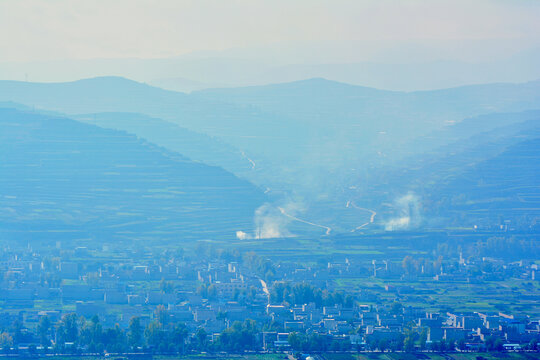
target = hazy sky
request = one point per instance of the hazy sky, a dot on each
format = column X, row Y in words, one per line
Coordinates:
column 36, row 30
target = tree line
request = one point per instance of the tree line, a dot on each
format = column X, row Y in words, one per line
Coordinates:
column 73, row 334
column 303, row 293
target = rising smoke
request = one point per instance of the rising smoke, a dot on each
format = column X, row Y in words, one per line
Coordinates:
column 409, row 213
column 270, row 222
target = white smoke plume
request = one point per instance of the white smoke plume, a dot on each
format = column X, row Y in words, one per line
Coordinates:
column 270, row 222
column 409, row 213
column 241, row 235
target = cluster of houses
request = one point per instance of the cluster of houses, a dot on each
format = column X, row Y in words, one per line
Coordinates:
column 213, row 294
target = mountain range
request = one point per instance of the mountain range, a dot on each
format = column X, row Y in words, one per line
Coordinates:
column 320, row 144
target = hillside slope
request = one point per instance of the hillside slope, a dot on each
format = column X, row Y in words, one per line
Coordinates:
column 504, row 189
column 196, row 146
column 60, row 176
column 316, row 142
column 483, row 179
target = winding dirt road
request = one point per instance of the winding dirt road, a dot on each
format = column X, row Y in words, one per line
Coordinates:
column 328, row 229
column 250, row 161
column 371, row 219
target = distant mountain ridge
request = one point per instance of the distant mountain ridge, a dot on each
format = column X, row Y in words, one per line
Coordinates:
column 259, row 66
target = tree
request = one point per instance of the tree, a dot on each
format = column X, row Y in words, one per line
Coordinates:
column 408, row 264
column 396, row 308
column 161, row 315
column 498, row 345
column 43, row 329
column 408, row 342
column 451, row 346
column 493, row 343
column 201, row 339
column 212, row 292
column 166, row 286
column 179, row 335
column 423, row 339
column 442, row 345
column 203, row 291
column 67, row 330
column 154, row 333
column 383, row 345
column 91, row 333
column 114, row 339
column 372, row 343
column 295, row 340
column 134, row 332
column 240, row 336
column 17, row 332
column 6, row 341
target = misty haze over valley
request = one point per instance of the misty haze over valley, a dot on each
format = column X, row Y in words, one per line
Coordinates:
column 312, row 146
column 265, row 180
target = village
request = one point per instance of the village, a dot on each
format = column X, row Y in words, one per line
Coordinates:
column 220, row 300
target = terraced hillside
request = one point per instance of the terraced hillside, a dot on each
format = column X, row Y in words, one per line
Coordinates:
column 299, row 131
column 488, row 181
column 504, row 188
column 196, row 146
column 317, row 142
column 64, row 179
